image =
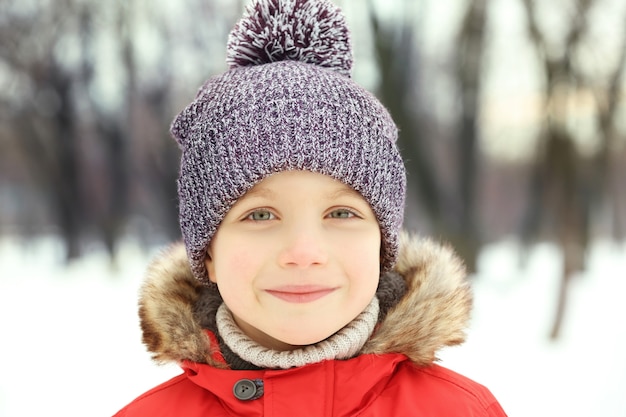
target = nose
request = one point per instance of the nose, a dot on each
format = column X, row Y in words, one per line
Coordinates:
column 303, row 248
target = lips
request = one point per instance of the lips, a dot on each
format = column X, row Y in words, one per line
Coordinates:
column 300, row 294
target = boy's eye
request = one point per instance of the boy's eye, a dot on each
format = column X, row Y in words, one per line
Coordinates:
column 260, row 215
column 341, row 214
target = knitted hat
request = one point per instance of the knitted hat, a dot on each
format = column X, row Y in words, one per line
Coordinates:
column 286, row 103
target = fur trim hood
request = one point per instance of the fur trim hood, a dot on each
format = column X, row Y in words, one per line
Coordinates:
column 433, row 313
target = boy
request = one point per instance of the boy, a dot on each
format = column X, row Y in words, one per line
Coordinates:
column 295, row 292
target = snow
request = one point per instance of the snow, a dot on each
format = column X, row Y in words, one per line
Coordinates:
column 71, row 342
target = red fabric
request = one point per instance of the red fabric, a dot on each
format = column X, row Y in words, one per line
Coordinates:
column 368, row 385
column 216, row 355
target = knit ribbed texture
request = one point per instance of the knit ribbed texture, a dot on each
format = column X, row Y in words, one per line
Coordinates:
column 344, row 344
column 254, row 121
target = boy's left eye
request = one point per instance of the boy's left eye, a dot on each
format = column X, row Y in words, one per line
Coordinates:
column 341, row 214
column 261, row 215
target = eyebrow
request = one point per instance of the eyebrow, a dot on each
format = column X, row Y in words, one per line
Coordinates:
column 260, row 192
column 345, row 191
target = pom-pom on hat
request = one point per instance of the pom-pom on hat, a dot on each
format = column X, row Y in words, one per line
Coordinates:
column 313, row 32
column 286, row 103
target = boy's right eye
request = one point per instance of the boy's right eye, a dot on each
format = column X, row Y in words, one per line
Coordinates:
column 260, row 215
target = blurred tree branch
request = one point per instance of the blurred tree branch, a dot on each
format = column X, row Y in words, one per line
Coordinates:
column 77, row 149
column 606, row 167
column 452, row 210
column 566, row 184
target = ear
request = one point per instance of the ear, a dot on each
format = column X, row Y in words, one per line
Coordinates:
column 210, row 267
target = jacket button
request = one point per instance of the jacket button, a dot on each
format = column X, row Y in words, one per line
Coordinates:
column 245, row 390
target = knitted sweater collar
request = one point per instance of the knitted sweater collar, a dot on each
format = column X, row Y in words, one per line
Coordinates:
column 344, row 344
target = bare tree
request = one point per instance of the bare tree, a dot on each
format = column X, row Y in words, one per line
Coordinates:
column 44, row 122
column 61, row 128
column 451, row 209
column 567, row 184
column 469, row 69
column 606, row 166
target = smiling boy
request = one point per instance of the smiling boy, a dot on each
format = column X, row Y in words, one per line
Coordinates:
column 295, row 293
column 296, row 259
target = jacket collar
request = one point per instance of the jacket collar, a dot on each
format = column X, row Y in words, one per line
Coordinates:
column 310, row 384
column 433, row 312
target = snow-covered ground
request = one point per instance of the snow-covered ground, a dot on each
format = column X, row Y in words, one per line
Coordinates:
column 70, row 343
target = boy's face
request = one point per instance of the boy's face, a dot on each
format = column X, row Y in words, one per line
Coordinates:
column 296, row 258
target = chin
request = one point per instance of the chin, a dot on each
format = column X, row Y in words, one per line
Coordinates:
column 304, row 340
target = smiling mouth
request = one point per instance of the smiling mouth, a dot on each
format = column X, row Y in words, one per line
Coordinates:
column 300, row 295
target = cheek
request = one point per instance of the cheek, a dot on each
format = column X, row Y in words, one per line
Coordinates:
column 368, row 248
column 238, row 267
column 368, row 274
column 233, row 267
column 364, row 262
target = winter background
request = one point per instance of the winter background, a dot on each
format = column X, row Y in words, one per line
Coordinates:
column 71, row 341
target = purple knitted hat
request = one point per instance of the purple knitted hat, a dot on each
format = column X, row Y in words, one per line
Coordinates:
column 286, row 103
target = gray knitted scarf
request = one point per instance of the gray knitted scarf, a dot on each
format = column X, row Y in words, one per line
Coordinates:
column 342, row 345
column 391, row 288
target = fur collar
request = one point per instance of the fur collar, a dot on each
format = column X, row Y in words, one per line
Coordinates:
column 433, row 312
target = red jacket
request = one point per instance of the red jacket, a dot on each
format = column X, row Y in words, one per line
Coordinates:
column 394, row 375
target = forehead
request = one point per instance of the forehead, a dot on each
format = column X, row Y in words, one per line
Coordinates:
column 280, row 183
